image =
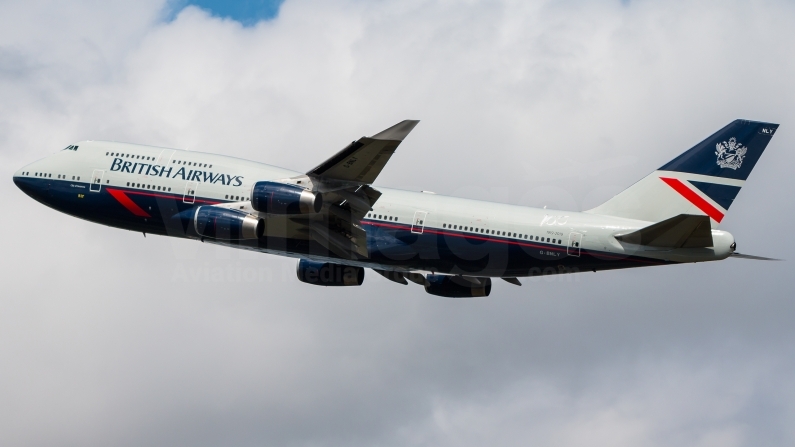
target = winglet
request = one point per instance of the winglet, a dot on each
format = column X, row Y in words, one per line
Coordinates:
column 397, row 132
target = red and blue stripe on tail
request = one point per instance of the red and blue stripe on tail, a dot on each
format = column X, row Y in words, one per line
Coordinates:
column 703, row 180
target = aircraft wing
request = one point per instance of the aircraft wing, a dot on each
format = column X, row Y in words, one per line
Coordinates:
column 344, row 181
column 363, row 159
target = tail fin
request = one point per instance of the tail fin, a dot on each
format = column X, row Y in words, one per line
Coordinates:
column 702, row 181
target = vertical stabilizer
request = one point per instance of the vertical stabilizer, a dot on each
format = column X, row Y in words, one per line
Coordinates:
column 702, row 181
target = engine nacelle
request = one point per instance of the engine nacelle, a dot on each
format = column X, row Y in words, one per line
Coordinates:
column 328, row 274
column 280, row 198
column 455, row 287
column 226, row 224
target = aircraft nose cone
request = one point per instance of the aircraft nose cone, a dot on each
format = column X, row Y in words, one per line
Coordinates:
column 21, row 183
column 35, row 188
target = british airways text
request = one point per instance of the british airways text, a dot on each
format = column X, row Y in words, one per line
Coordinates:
column 161, row 171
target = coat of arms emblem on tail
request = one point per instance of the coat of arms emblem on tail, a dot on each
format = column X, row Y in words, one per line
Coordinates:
column 730, row 153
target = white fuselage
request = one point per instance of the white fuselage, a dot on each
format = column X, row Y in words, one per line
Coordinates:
column 204, row 179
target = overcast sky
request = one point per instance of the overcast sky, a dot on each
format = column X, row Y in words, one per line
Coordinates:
column 110, row 338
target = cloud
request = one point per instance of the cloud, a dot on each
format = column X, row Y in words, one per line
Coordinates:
column 115, row 339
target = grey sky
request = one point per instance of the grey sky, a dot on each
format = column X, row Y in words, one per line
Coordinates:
column 107, row 338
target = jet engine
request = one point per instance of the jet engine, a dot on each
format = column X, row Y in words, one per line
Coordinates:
column 457, row 287
column 328, row 274
column 280, row 198
column 226, row 224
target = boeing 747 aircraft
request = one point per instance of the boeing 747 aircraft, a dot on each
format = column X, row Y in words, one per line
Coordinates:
column 338, row 224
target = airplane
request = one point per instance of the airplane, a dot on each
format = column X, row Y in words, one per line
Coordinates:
column 338, row 224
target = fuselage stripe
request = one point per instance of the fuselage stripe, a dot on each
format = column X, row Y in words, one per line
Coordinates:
column 127, row 202
column 512, row 242
column 172, row 196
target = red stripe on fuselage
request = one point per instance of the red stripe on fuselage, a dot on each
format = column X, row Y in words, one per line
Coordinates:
column 504, row 240
column 127, row 202
column 694, row 198
column 173, row 196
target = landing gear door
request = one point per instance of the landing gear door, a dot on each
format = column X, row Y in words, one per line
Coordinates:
column 190, row 192
column 418, row 224
column 96, row 180
column 573, row 248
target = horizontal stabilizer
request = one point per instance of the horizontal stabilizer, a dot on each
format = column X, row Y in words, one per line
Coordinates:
column 755, row 258
column 682, row 231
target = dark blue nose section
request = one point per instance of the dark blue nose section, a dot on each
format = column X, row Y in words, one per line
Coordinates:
column 37, row 188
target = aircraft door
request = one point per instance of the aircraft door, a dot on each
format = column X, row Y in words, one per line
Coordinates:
column 418, row 224
column 96, row 180
column 573, row 247
column 190, row 192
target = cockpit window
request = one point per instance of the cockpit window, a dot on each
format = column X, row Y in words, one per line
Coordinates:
column 70, row 148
